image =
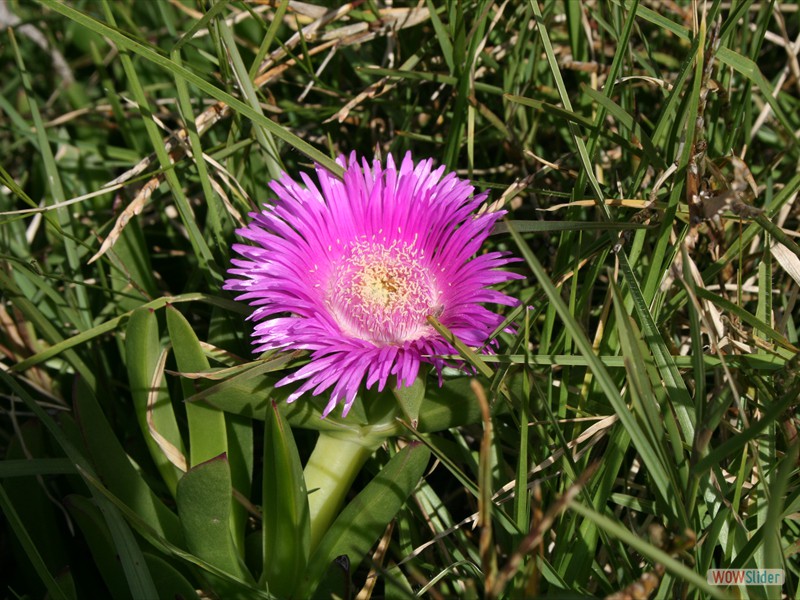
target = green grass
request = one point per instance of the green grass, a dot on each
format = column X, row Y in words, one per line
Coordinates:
column 637, row 429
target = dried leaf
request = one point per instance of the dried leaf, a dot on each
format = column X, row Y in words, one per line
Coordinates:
column 134, row 208
column 173, row 454
column 787, row 259
column 626, row 202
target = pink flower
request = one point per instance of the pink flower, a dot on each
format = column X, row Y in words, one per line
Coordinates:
column 349, row 270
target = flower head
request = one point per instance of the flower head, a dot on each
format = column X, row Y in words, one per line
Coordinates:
column 350, row 270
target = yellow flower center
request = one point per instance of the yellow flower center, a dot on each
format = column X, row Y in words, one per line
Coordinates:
column 383, row 293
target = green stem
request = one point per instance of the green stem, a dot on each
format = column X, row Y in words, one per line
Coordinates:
column 339, row 454
column 336, row 460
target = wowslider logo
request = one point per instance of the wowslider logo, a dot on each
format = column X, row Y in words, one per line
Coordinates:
column 746, row 577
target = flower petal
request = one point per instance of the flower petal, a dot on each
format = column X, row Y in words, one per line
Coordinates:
column 349, row 268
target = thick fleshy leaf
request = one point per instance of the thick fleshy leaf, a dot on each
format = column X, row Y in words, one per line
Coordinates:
column 205, row 499
column 410, row 399
column 210, row 435
column 139, row 581
column 451, row 405
column 167, row 580
column 223, row 582
column 142, row 352
column 95, row 531
column 170, row 583
column 243, row 390
column 285, row 508
column 207, row 433
column 240, row 457
column 363, row 521
column 115, row 467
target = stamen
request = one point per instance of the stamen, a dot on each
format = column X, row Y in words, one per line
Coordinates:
column 383, row 293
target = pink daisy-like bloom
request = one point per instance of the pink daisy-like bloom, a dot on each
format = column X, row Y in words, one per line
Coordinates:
column 350, row 270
